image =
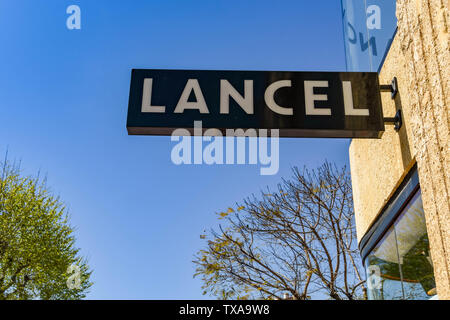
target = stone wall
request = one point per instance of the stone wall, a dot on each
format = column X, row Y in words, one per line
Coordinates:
column 419, row 58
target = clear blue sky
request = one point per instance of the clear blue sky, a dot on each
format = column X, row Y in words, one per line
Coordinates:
column 63, row 107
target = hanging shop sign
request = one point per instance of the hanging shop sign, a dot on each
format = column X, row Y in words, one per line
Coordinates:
column 299, row 104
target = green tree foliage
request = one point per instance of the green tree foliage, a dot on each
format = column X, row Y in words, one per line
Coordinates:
column 298, row 242
column 36, row 242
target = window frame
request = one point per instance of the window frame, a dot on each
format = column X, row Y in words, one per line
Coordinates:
column 390, row 212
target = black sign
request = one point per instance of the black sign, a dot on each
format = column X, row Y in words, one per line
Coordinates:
column 299, row 104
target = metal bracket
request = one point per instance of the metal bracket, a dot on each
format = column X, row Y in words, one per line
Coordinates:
column 392, row 88
column 397, row 120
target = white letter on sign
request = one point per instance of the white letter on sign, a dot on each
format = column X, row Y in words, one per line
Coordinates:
column 227, row 91
column 348, row 101
column 270, row 101
column 147, row 98
column 183, row 103
column 310, row 97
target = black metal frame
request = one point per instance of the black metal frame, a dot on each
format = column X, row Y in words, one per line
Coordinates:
column 396, row 120
column 390, row 212
column 393, row 89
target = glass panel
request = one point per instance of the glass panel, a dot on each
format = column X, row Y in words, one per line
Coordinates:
column 383, row 272
column 400, row 266
column 369, row 26
column 414, row 254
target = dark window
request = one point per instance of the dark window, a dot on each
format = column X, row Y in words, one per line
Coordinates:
column 400, row 266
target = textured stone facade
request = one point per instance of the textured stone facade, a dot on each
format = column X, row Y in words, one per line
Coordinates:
column 419, row 58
